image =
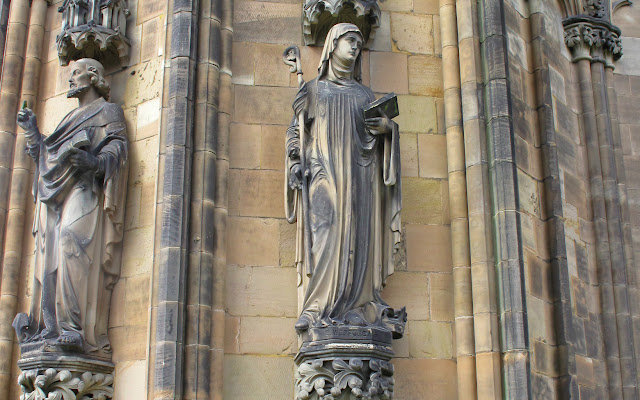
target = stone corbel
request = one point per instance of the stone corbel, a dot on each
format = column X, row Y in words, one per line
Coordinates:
column 593, row 39
column 94, row 29
column 65, row 377
column 320, row 15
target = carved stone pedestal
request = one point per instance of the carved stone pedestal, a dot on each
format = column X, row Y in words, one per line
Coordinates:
column 344, row 363
column 65, row 377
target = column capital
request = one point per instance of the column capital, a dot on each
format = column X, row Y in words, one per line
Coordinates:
column 592, row 38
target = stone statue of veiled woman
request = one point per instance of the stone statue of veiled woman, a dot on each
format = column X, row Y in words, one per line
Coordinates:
column 352, row 173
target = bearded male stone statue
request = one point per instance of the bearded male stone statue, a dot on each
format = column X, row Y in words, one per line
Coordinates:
column 79, row 190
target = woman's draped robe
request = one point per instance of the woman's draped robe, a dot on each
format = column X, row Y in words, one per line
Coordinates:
column 355, row 202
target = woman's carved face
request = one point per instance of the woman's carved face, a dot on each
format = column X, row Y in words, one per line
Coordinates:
column 348, row 47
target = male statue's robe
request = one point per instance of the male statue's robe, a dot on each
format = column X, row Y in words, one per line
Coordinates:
column 78, row 227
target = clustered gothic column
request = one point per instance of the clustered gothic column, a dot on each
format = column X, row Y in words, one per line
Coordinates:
column 188, row 286
column 478, row 352
column 24, row 21
column 594, row 45
column 460, row 250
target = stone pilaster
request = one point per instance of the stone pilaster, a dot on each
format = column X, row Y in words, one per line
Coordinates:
column 166, row 375
column 505, row 204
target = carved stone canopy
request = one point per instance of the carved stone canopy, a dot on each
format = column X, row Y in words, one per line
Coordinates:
column 321, row 15
column 94, row 29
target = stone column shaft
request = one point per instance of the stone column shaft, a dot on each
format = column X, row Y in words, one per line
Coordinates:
column 485, row 317
column 633, row 277
column 605, row 279
column 221, row 199
column 9, row 98
column 614, row 228
column 19, row 193
column 564, row 344
column 461, row 258
column 204, row 349
column 505, row 205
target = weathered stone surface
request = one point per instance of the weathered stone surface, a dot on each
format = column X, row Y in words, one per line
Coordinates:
column 255, row 193
column 148, row 9
column 413, row 33
column 245, row 143
column 425, row 76
column 266, row 22
column 265, row 335
column 429, row 339
column 273, row 141
column 409, row 154
column 424, row 378
column 129, row 379
column 252, row 241
column 382, row 40
column 268, row 374
column 389, row 73
column 261, row 291
column 432, row 152
column 269, row 70
column 266, row 105
column 418, row 114
column 410, row 289
column 441, row 297
column 428, row 248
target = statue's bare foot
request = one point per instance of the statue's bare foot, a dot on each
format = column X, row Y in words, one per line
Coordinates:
column 46, row 334
column 70, row 340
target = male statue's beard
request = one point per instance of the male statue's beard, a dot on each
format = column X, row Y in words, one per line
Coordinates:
column 75, row 92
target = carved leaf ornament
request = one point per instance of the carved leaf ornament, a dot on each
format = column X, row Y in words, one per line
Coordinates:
column 591, row 36
column 363, row 379
column 65, row 385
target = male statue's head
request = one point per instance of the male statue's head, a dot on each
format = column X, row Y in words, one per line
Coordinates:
column 87, row 74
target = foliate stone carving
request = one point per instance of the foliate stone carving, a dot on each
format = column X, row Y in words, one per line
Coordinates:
column 592, row 39
column 53, row 384
column 330, row 379
column 343, row 189
column 79, row 190
column 94, row 29
column 321, row 15
column 596, row 8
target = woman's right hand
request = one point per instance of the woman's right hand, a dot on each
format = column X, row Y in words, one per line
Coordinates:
column 295, row 177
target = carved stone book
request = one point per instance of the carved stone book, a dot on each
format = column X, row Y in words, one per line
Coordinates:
column 78, row 141
column 387, row 104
